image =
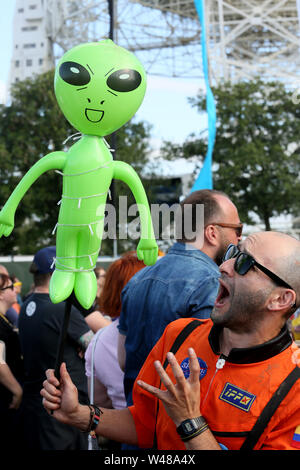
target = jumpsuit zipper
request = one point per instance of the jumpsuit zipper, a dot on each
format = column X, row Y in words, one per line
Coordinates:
column 219, row 365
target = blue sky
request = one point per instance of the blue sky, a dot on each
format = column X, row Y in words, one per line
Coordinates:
column 165, row 105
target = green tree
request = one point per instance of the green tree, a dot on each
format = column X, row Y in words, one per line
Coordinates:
column 256, row 154
column 31, row 127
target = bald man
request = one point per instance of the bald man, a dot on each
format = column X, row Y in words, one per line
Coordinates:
column 242, row 355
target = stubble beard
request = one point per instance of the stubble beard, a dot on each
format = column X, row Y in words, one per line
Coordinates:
column 222, row 249
column 221, row 252
column 245, row 311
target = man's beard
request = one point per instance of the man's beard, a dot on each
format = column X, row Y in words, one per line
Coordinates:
column 245, row 311
column 221, row 251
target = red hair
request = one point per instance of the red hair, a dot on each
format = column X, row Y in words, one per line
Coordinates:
column 117, row 276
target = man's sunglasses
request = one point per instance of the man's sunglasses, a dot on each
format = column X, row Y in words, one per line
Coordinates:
column 244, row 262
column 237, row 227
column 11, row 286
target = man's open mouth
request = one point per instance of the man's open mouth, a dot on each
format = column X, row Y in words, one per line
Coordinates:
column 93, row 115
column 222, row 296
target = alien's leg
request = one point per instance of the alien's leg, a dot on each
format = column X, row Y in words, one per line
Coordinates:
column 62, row 280
column 85, row 286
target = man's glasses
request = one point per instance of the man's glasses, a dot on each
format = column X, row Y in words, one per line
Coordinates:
column 244, row 262
column 237, row 227
column 11, row 286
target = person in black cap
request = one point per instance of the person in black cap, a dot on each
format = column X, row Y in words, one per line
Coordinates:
column 40, row 323
column 44, row 262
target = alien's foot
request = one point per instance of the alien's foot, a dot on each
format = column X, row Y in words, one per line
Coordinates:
column 61, row 286
column 85, row 288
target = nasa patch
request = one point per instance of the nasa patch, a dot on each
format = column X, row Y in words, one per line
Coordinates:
column 186, row 369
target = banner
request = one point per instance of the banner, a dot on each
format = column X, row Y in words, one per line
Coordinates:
column 204, row 180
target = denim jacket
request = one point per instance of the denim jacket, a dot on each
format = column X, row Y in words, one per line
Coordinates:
column 184, row 283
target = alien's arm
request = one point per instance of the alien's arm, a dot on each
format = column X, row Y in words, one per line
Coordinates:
column 147, row 248
column 128, row 175
column 52, row 161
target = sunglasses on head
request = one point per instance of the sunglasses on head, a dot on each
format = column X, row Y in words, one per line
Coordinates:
column 237, row 227
column 18, row 284
column 244, row 262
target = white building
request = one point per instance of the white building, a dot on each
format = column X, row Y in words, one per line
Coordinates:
column 32, row 51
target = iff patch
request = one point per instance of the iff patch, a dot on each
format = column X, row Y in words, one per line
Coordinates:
column 186, row 368
column 237, row 397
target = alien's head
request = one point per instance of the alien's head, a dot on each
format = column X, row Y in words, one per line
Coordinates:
column 99, row 86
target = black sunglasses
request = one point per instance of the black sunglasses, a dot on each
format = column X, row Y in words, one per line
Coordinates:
column 11, row 286
column 244, row 262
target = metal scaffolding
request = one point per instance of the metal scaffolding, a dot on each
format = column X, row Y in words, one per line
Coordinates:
column 245, row 38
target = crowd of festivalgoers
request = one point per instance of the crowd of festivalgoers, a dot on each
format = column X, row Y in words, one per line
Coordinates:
column 245, row 294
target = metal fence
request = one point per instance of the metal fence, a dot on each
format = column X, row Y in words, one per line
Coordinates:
column 19, row 266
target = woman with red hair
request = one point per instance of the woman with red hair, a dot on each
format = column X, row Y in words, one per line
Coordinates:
column 102, row 367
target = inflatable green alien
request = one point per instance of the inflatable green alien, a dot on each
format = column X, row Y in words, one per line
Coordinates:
column 99, row 87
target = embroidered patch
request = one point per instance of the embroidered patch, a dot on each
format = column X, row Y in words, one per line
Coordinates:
column 186, row 369
column 237, row 397
column 296, row 438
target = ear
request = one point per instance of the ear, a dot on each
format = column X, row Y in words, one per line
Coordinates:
column 281, row 299
column 211, row 235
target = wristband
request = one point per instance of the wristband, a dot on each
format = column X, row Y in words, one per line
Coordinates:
column 96, row 417
column 95, row 414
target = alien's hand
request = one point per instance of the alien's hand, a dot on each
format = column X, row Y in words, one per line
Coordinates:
column 7, row 223
column 147, row 251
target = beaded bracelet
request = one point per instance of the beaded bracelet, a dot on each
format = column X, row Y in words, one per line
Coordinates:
column 95, row 414
column 91, row 419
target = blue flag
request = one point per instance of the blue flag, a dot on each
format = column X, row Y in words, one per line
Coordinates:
column 204, row 180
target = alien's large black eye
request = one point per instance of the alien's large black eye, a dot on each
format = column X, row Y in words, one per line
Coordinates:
column 74, row 73
column 124, row 80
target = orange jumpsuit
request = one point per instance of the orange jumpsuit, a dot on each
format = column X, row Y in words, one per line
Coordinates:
column 234, row 390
